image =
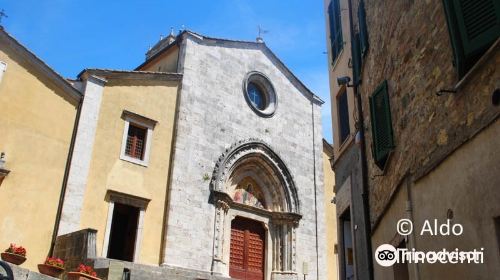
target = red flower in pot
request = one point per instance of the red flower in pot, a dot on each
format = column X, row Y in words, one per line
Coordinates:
column 83, row 272
column 52, row 267
column 14, row 254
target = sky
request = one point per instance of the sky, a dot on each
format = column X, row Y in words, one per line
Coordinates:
column 71, row 35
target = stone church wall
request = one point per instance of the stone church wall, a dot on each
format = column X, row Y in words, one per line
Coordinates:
column 213, row 115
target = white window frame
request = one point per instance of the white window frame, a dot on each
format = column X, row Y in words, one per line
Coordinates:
column 147, row 123
column 122, row 198
column 3, row 68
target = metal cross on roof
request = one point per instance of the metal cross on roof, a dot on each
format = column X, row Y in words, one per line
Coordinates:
column 262, row 31
column 2, row 14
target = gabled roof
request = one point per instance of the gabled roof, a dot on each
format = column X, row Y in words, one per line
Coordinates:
column 38, row 64
column 259, row 45
column 327, row 148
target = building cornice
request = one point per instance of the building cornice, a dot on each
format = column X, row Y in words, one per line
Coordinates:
column 130, row 75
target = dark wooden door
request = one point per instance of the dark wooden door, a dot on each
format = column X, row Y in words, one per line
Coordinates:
column 247, row 250
column 123, row 232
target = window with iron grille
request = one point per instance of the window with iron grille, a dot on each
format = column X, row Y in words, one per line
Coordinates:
column 382, row 134
column 336, row 40
column 474, row 25
column 136, row 141
column 343, row 115
column 137, row 136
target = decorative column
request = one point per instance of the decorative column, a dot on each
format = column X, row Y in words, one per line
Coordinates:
column 285, row 245
column 221, row 209
column 293, row 238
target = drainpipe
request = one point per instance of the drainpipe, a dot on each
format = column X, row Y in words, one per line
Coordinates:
column 364, row 165
column 65, row 178
column 315, row 189
column 409, row 209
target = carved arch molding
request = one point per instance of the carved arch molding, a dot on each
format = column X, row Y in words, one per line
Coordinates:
column 281, row 215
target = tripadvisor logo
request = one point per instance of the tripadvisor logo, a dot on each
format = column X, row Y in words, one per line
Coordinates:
column 386, row 255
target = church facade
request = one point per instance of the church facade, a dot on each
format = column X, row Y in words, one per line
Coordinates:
column 263, row 161
column 205, row 162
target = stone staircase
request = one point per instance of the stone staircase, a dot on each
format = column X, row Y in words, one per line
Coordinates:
column 114, row 270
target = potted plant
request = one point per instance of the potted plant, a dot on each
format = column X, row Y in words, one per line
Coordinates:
column 83, row 272
column 52, row 267
column 14, row 254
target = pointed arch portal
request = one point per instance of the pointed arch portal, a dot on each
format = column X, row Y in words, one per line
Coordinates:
column 251, row 182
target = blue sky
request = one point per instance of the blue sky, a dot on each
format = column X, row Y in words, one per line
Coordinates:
column 71, row 35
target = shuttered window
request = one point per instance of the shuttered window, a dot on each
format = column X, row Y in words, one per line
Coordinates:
column 336, row 40
column 382, row 134
column 343, row 115
column 473, row 25
column 363, row 31
column 136, row 141
column 356, row 59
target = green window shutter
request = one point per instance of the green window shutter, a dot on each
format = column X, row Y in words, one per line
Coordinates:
column 363, row 32
column 336, row 39
column 382, row 134
column 356, row 59
column 473, row 25
column 343, row 115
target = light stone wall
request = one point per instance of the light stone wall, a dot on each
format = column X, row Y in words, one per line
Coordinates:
column 213, row 114
column 82, row 155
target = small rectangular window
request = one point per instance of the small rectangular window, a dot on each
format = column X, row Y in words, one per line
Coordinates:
column 382, row 135
column 136, row 141
column 137, row 136
column 343, row 115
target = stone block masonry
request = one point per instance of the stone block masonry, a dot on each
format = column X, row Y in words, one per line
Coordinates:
column 213, row 115
column 411, row 49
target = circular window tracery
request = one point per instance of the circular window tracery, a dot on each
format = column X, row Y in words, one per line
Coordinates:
column 260, row 94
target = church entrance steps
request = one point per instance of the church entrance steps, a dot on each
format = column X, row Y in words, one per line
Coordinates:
column 109, row 269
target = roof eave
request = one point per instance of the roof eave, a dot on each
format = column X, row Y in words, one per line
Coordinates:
column 40, row 65
column 130, row 75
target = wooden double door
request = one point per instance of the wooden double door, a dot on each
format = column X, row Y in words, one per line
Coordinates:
column 247, row 250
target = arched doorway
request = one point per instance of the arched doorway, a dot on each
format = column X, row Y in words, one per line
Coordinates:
column 247, row 249
column 252, row 189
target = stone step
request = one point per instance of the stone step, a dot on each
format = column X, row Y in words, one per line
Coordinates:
column 113, row 269
column 21, row 273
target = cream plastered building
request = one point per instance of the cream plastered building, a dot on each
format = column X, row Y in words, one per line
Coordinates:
column 64, row 165
column 103, row 176
column 38, row 109
column 332, row 263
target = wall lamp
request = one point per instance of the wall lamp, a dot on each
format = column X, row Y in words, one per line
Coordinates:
column 344, row 81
